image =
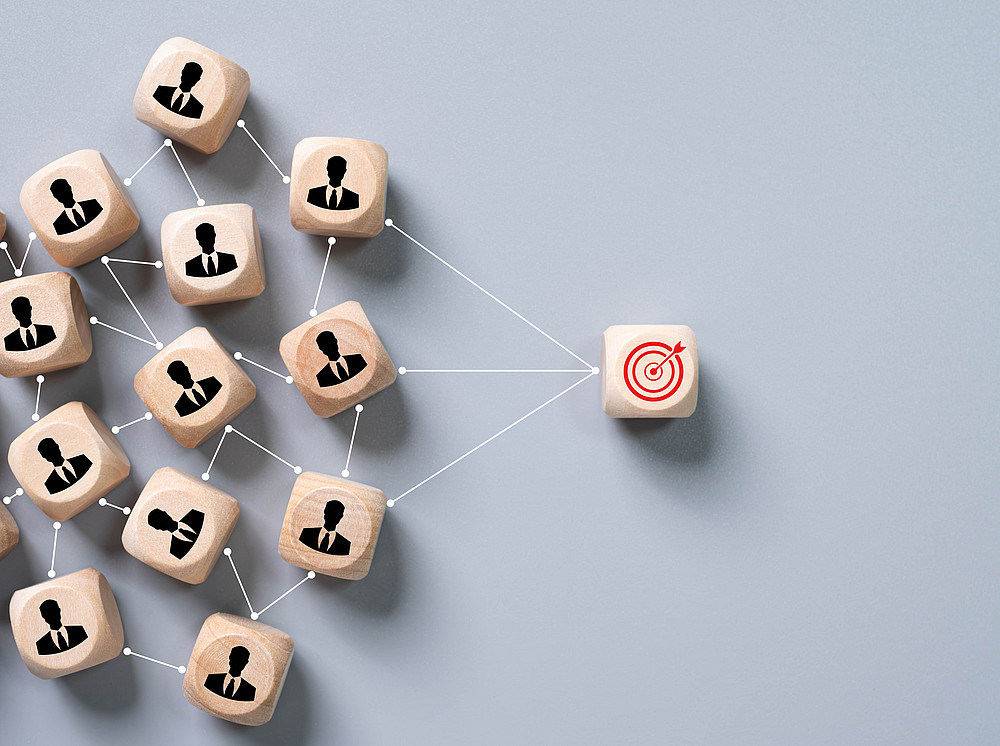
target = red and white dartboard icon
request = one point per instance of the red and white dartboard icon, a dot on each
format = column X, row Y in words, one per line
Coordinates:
column 654, row 371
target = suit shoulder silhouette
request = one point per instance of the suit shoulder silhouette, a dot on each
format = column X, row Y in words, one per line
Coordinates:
column 195, row 267
column 310, row 537
column 44, row 334
column 75, row 634
column 348, row 200
column 90, row 208
column 55, row 482
column 164, row 95
column 216, row 682
column 328, row 375
column 185, row 405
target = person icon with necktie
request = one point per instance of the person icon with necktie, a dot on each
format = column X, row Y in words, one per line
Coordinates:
column 333, row 195
column 232, row 685
column 75, row 215
column 209, row 263
column 65, row 471
column 179, row 98
column 341, row 367
column 28, row 335
column 325, row 538
column 60, row 637
column 183, row 533
column 196, row 393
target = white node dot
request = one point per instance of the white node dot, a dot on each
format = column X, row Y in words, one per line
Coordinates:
column 40, row 379
column 159, row 345
column 345, row 473
column 254, row 615
column 388, row 222
column 93, row 320
column 595, row 370
column 105, row 260
column 287, row 179
column 181, row 669
column 126, row 651
column 6, row 501
column 201, row 202
column 227, row 551
column 168, row 142
column 297, row 469
column 359, row 408
column 402, row 371
column 158, row 264
column 240, row 123
column 3, row 245
column 331, row 240
column 115, row 429
column 238, row 355
column 51, row 573
column 102, row 502
column 311, row 575
column 229, row 428
column 57, row 525
column 148, row 415
column 18, row 492
column 32, row 236
column 390, row 503
column 312, row 311
column 289, row 379
column 126, row 511
column 35, row 417
column 127, row 181
column 18, row 272
column 204, row 476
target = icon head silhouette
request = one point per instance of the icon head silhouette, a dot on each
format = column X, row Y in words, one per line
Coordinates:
column 333, row 512
column 328, row 344
column 63, row 192
column 51, row 613
column 49, row 450
column 21, row 308
column 205, row 233
column 190, row 74
column 239, row 656
column 161, row 520
column 180, row 374
column 336, row 167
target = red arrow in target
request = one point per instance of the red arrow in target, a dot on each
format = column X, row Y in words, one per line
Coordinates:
column 678, row 349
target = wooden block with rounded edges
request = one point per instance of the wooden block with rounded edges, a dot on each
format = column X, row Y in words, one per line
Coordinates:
column 212, row 254
column 331, row 526
column 194, row 387
column 180, row 525
column 191, row 94
column 336, row 359
column 79, row 208
column 338, row 187
column 67, row 461
column 44, row 325
column 9, row 533
column 649, row 371
column 237, row 669
column 66, row 624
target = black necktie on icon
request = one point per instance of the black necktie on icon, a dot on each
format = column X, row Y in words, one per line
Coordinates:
column 63, row 645
column 231, row 688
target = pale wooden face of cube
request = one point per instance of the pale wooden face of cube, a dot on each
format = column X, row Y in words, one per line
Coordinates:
column 212, row 254
column 9, row 533
column 179, row 526
column 358, row 167
column 649, row 371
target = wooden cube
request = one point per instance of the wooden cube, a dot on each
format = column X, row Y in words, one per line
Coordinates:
column 67, row 461
column 79, row 208
column 191, row 94
column 194, row 387
column 44, row 325
column 212, row 254
column 180, row 525
column 649, row 371
column 66, row 624
column 338, row 187
column 336, row 359
column 237, row 669
column 331, row 526
column 9, row 533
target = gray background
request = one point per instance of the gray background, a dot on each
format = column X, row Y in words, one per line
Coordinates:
column 810, row 558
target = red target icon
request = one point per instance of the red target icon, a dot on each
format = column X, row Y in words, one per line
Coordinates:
column 654, row 370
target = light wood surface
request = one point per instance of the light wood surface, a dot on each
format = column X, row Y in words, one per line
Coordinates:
column 9, row 533
column 91, row 625
column 210, row 514
column 220, row 90
column 310, row 516
column 81, row 438
column 94, row 185
column 306, row 361
column 643, row 375
column 205, row 358
column 270, row 653
column 365, row 176
column 51, row 299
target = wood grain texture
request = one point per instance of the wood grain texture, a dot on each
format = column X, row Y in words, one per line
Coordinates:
column 85, row 600
column 270, row 653
column 91, row 178
column 301, row 352
column 359, row 524
column 177, row 493
column 205, row 357
column 221, row 91
column 77, row 431
column 236, row 235
column 9, row 533
column 366, row 176
column 55, row 301
column 633, row 381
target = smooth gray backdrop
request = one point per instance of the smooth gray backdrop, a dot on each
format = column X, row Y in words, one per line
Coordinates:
column 811, row 186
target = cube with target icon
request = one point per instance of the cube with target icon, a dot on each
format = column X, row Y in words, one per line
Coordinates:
column 649, row 371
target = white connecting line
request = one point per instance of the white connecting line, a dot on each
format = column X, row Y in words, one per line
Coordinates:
column 230, row 429
column 347, row 467
column 256, row 614
column 18, row 268
column 129, row 651
column 167, row 143
column 240, row 356
column 115, row 429
column 105, row 504
column 38, row 395
column 322, row 275
column 7, row 499
column 243, row 126
column 96, row 322
column 55, row 541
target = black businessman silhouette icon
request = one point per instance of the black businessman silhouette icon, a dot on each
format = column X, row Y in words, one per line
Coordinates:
column 231, row 685
column 209, row 263
column 179, row 98
column 75, row 214
column 65, row 471
column 183, row 533
column 60, row 637
column 333, row 195
column 196, row 393
column 28, row 335
column 341, row 367
column 325, row 538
